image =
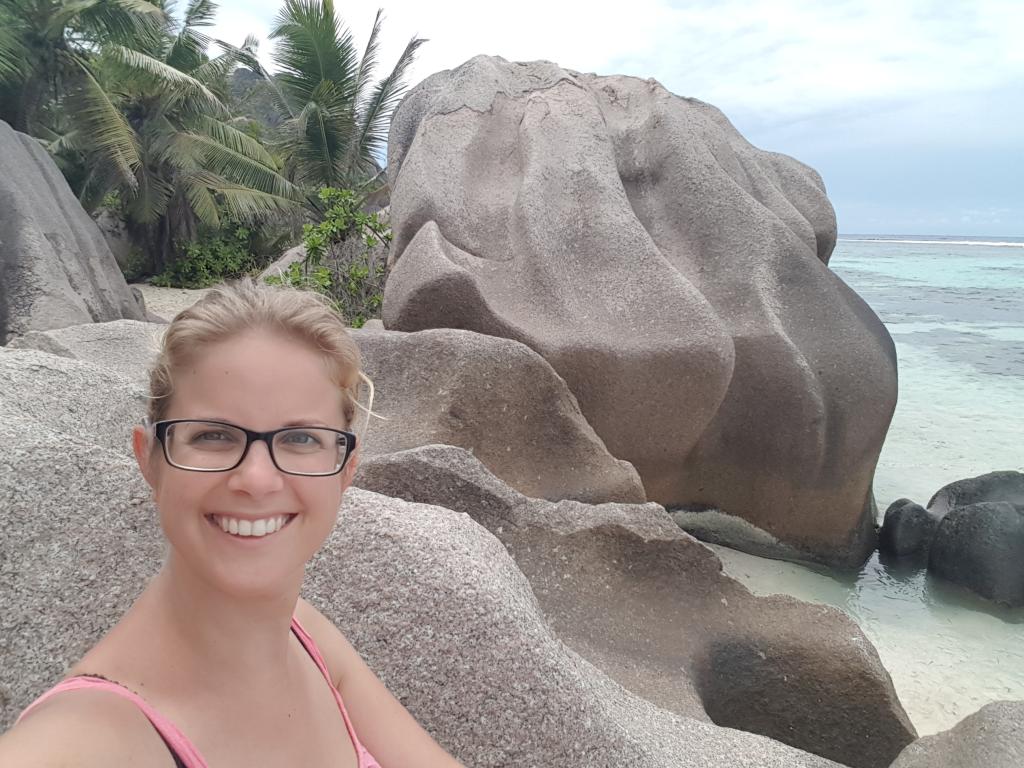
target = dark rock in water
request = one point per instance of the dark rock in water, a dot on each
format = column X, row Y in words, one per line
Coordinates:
column 674, row 276
column 981, row 547
column 907, row 530
column 57, row 270
column 995, row 486
column 644, row 602
column 993, row 737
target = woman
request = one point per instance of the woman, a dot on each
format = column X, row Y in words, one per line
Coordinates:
column 219, row 662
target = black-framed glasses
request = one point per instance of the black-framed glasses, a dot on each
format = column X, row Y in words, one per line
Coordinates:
column 216, row 446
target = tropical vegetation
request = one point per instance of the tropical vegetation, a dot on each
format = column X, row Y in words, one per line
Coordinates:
column 143, row 112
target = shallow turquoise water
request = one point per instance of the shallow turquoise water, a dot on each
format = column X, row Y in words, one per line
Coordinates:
column 956, row 314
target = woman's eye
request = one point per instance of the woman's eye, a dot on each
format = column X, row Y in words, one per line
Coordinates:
column 211, row 437
column 304, row 439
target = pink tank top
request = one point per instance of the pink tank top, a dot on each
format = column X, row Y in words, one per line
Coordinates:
column 185, row 753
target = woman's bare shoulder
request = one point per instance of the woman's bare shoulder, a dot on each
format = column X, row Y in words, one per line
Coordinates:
column 84, row 728
column 328, row 638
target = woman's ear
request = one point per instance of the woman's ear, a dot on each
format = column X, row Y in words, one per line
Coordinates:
column 349, row 472
column 142, row 445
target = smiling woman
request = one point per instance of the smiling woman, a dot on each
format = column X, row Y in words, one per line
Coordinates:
column 248, row 450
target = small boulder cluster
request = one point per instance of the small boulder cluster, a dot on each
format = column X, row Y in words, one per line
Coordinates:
column 971, row 533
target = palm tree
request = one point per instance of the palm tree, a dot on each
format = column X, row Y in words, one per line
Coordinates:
column 45, row 47
column 145, row 119
column 192, row 163
column 336, row 117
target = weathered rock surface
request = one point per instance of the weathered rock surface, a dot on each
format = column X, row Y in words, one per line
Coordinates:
column 496, row 398
column 908, row 529
column 70, row 398
column 127, row 347
column 675, row 276
column 993, row 737
column 981, row 547
column 493, row 396
column 115, row 233
column 649, row 605
column 429, row 597
column 56, row 269
column 993, row 486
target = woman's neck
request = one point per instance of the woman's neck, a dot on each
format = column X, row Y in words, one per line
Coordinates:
column 213, row 638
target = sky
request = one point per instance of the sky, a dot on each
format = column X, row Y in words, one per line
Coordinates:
column 912, row 111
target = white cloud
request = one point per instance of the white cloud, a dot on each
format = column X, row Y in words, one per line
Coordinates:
column 782, row 60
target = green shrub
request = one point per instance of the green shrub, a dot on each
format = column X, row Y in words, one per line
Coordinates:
column 342, row 259
column 207, row 262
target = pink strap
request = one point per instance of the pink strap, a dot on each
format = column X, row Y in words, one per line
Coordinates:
column 363, row 756
column 175, row 739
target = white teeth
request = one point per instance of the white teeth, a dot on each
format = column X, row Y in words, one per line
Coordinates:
column 255, row 528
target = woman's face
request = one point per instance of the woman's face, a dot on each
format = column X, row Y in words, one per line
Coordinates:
column 261, row 381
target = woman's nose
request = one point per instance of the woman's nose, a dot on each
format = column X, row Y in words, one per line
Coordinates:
column 257, row 474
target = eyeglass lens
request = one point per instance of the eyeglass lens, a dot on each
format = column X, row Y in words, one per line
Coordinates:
column 210, row 446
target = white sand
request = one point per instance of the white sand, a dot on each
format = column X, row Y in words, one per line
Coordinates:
column 167, row 302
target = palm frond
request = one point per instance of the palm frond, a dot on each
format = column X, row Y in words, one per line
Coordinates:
column 109, row 134
column 234, row 166
column 375, row 114
column 150, row 199
column 111, row 21
column 313, row 47
column 180, row 84
column 13, row 52
column 235, row 140
column 369, row 61
column 200, row 13
column 242, row 203
column 201, row 199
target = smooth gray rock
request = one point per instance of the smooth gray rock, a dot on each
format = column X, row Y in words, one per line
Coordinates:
column 993, row 737
column 56, row 269
column 675, row 276
column 981, row 547
column 496, row 398
column 649, row 605
column 994, row 486
column 907, row 530
column 127, row 347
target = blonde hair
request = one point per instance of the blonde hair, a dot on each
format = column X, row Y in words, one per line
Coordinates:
column 244, row 305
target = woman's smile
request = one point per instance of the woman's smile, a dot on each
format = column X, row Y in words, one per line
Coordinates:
column 242, row 527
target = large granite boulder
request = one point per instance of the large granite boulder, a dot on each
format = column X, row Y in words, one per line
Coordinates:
column 650, row 606
column 55, row 267
column 981, row 547
column 994, row 486
column 494, row 397
column 675, row 276
column 430, row 598
column 993, row 737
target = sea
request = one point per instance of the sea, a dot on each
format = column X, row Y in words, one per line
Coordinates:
column 955, row 309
